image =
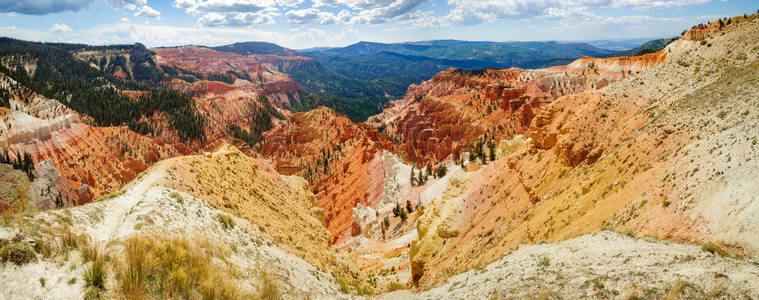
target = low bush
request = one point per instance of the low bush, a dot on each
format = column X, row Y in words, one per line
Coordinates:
column 19, row 253
column 544, row 261
column 394, row 286
column 226, row 221
column 714, row 249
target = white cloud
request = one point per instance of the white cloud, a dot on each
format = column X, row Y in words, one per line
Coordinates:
column 201, row 7
column 235, row 12
column 313, row 15
column 60, row 28
column 476, row 11
column 385, row 13
column 128, row 4
column 124, row 19
column 238, row 19
column 147, row 12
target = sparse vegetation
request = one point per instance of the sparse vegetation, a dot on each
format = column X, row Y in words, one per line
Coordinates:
column 111, row 195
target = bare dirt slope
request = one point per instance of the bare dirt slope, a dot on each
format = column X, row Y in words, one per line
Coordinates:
column 668, row 153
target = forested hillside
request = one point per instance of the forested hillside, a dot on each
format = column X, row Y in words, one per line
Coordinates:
column 53, row 71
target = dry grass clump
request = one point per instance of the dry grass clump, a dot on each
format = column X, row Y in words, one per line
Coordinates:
column 226, row 221
column 172, row 267
column 269, row 289
column 95, row 275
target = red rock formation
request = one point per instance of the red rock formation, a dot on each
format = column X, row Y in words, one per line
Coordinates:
column 339, row 158
column 261, row 69
column 449, row 113
column 103, row 158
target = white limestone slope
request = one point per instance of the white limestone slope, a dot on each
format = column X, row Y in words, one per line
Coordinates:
column 147, row 207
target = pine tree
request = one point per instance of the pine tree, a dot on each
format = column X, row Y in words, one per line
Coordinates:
column 58, row 201
column 409, row 208
column 491, row 147
column 412, row 179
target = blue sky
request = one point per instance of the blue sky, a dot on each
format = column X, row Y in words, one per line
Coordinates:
column 311, row 23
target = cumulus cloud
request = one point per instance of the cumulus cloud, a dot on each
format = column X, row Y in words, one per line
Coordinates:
column 147, row 12
column 385, row 13
column 200, row 7
column 239, row 19
column 128, row 4
column 475, row 11
column 60, row 28
column 235, row 12
column 313, row 15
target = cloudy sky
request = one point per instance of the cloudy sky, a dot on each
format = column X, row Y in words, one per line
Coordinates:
column 311, row 23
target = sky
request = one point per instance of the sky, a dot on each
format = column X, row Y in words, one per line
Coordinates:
column 300, row 24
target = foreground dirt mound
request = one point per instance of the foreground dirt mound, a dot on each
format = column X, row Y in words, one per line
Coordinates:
column 600, row 266
column 666, row 153
column 227, row 204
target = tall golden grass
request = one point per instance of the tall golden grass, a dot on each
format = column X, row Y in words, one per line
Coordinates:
column 172, row 267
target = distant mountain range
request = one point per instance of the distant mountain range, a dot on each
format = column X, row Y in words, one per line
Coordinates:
column 379, row 72
column 357, row 79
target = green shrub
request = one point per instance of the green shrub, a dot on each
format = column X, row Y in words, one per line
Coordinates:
column 18, row 253
column 714, row 249
column 226, row 221
column 394, row 286
column 441, row 170
column 93, row 293
column 544, row 261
